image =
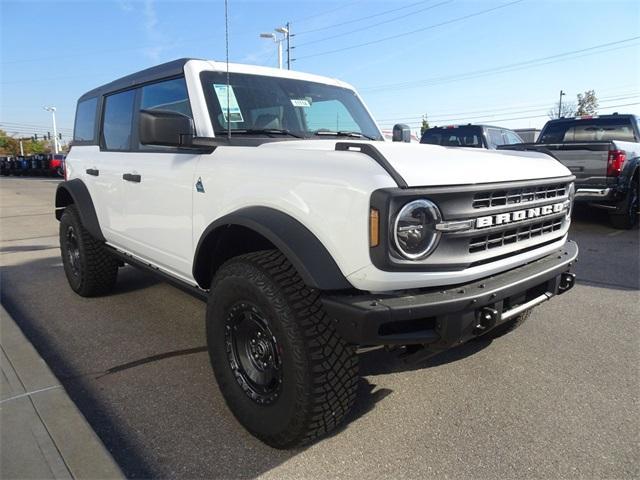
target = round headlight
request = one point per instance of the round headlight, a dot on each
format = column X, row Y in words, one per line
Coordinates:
column 414, row 229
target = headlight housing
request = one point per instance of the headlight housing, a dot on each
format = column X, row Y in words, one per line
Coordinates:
column 414, row 232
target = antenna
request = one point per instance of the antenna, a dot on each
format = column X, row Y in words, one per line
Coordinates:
column 226, row 39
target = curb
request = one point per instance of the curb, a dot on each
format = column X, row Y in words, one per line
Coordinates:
column 60, row 431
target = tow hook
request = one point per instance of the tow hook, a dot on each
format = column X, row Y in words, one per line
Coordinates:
column 567, row 281
column 486, row 318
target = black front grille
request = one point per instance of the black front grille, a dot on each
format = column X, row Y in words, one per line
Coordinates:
column 514, row 235
column 497, row 198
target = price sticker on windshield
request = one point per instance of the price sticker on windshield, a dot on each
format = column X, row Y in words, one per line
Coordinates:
column 300, row 102
column 228, row 103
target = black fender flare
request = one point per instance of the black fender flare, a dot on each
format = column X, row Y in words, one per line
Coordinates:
column 307, row 254
column 76, row 192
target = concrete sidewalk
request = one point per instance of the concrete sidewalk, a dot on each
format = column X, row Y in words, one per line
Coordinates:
column 42, row 433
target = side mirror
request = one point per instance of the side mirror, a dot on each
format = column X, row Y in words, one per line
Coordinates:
column 401, row 133
column 169, row 129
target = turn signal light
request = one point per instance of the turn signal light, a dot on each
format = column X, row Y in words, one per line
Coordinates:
column 374, row 228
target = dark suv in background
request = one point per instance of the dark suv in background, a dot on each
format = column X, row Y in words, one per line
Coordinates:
column 475, row 136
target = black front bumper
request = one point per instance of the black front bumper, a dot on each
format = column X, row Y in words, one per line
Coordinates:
column 444, row 318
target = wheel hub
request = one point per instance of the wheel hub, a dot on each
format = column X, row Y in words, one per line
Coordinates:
column 73, row 251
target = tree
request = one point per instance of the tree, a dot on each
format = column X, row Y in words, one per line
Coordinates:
column 8, row 145
column 425, row 124
column 568, row 109
column 587, row 103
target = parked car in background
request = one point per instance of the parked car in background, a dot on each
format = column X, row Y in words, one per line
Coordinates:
column 56, row 165
column 4, row 165
column 603, row 152
column 474, row 136
column 528, row 135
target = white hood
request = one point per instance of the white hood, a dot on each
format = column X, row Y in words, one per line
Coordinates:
column 431, row 165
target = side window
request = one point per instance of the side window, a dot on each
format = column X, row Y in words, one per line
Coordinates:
column 512, row 138
column 495, row 137
column 170, row 96
column 118, row 116
column 85, row 125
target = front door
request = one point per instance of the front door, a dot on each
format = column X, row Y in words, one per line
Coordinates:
column 158, row 189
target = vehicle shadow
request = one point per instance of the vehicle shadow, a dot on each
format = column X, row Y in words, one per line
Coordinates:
column 156, row 407
column 380, row 361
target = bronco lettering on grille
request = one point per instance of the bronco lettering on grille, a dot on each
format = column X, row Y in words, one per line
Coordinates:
column 510, row 217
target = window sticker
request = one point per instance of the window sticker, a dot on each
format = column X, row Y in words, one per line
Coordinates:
column 235, row 115
column 300, row 102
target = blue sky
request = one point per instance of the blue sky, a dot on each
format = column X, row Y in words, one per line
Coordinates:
column 500, row 62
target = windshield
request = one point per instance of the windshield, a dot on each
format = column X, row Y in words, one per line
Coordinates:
column 262, row 105
column 588, row 130
column 454, row 137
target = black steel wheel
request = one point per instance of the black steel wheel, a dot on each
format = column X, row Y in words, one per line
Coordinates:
column 73, row 250
column 253, row 353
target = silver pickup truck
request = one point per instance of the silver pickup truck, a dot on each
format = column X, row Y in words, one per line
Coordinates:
column 603, row 152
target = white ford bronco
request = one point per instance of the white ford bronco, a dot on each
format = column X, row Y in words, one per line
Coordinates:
column 273, row 195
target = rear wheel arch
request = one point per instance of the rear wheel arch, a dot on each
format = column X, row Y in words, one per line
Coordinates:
column 76, row 192
column 259, row 228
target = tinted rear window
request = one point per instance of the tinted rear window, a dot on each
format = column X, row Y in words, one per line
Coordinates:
column 454, row 137
column 118, row 116
column 591, row 130
column 85, row 127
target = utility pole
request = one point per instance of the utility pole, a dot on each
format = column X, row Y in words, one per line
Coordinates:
column 21, row 149
column 562, row 94
column 55, row 130
column 288, row 45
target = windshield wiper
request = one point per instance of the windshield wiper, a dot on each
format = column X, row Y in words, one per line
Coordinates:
column 343, row 133
column 261, row 131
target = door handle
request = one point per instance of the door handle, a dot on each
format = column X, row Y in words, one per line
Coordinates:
column 130, row 177
column 93, row 171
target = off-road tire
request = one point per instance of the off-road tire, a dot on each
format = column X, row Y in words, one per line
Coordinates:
column 507, row 327
column 631, row 208
column 95, row 270
column 319, row 369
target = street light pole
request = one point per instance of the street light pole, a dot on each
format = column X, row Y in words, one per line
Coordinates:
column 55, row 130
column 560, row 103
column 285, row 32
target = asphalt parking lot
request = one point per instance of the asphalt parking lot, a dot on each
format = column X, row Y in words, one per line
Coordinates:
column 558, row 398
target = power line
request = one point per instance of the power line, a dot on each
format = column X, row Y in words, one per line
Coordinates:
column 404, row 34
column 359, row 19
column 509, row 67
column 416, row 124
column 325, row 12
column 367, row 27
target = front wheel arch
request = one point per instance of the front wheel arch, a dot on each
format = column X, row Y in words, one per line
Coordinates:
column 268, row 228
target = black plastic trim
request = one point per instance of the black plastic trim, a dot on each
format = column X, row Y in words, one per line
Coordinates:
column 302, row 248
column 83, row 202
column 374, row 153
column 448, row 315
